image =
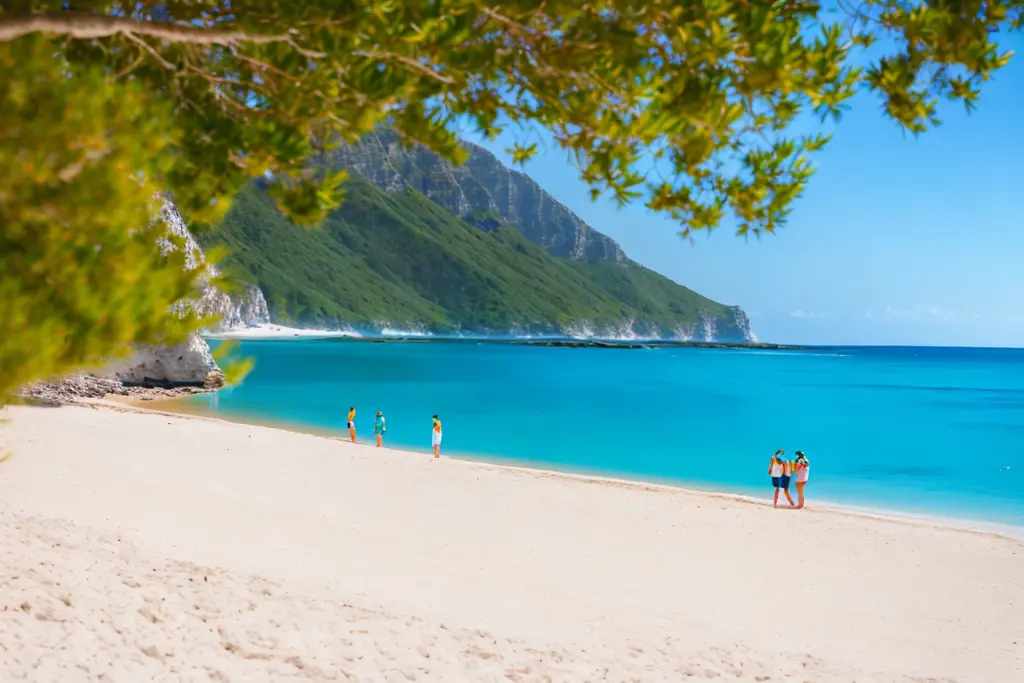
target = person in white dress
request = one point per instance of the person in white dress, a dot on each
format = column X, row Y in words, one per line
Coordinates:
column 435, row 437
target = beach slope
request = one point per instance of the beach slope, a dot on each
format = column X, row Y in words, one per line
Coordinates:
column 145, row 546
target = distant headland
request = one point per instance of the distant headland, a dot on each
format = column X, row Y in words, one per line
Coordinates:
column 573, row 343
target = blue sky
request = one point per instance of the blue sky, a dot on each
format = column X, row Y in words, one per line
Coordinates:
column 897, row 240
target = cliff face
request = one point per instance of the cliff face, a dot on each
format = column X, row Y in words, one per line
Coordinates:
column 733, row 326
column 188, row 363
column 480, row 191
column 237, row 309
column 191, row 361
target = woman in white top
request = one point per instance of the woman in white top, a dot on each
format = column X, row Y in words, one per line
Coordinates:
column 435, row 437
column 802, row 467
column 780, row 470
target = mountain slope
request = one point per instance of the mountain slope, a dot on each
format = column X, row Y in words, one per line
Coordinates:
column 397, row 258
column 306, row 275
column 483, row 185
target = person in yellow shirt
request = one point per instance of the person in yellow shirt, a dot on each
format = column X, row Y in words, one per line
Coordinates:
column 802, row 472
column 352, row 423
column 435, row 437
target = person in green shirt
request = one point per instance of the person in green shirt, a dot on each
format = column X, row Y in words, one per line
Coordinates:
column 379, row 427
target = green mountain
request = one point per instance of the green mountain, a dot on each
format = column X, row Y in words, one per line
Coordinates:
column 395, row 256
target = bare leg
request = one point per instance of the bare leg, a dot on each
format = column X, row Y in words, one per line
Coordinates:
column 379, row 440
column 789, row 498
column 776, row 503
column 437, row 450
column 352, row 434
column 800, row 494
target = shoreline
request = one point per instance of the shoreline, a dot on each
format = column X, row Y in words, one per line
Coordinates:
column 275, row 332
column 136, row 541
column 174, row 407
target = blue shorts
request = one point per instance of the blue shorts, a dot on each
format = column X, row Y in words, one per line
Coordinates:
column 781, row 482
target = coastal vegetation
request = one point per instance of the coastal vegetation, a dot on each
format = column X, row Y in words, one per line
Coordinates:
column 106, row 104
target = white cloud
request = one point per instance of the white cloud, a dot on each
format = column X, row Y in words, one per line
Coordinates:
column 801, row 314
column 893, row 313
column 918, row 313
column 940, row 313
column 999, row 318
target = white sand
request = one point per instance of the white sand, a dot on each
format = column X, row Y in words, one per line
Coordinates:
column 271, row 331
column 138, row 547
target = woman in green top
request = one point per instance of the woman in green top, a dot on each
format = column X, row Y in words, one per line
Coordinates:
column 379, row 427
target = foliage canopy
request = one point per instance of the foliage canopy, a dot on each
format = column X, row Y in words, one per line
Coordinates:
column 106, row 103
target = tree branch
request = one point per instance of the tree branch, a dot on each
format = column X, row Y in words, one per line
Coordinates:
column 87, row 26
column 131, row 67
column 409, row 62
column 149, row 48
column 267, row 67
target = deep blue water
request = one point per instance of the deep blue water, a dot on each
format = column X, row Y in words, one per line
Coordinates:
column 925, row 430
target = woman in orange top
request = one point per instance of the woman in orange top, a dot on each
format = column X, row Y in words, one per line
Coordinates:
column 435, row 437
column 352, row 423
column 802, row 470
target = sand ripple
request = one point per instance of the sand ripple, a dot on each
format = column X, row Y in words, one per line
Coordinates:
column 77, row 605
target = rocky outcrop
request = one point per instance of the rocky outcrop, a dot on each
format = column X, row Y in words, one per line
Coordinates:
column 187, row 364
column 191, row 363
column 80, row 387
column 235, row 310
column 734, row 327
column 482, row 191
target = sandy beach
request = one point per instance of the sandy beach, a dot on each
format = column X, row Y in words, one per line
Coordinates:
column 146, row 546
column 274, row 331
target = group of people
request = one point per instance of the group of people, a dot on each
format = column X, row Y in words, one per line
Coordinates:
column 782, row 471
column 380, row 427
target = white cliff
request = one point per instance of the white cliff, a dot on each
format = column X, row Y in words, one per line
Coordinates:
column 234, row 310
column 188, row 363
column 191, row 361
column 238, row 310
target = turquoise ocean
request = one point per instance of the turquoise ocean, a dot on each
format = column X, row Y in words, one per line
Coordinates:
column 934, row 431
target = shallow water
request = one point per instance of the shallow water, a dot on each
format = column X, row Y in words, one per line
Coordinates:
column 919, row 430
